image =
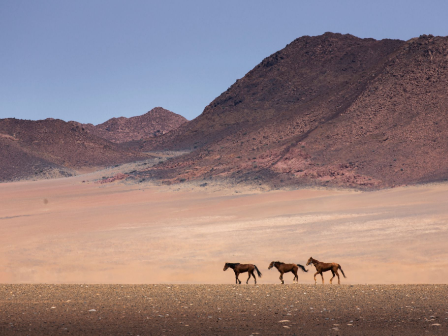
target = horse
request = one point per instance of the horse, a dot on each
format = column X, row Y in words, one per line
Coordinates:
column 323, row 267
column 285, row 268
column 242, row 268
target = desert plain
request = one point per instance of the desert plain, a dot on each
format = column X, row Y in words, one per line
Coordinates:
column 74, row 230
column 138, row 253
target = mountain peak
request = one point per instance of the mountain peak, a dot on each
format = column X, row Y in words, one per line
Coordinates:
column 153, row 123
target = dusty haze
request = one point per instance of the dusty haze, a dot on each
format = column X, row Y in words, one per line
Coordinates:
column 67, row 231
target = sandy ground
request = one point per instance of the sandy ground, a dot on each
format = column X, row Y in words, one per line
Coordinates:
column 67, row 231
column 223, row 310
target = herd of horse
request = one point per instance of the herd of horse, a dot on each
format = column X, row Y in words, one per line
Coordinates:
column 285, row 268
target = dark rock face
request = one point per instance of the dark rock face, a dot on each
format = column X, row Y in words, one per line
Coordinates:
column 330, row 110
column 154, row 123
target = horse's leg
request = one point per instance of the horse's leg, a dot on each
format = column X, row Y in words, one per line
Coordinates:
column 315, row 281
column 296, row 277
column 247, row 282
column 339, row 280
column 255, row 279
column 281, row 278
column 322, row 275
column 236, row 278
column 331, row 280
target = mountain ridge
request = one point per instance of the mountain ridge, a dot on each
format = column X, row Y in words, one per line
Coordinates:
column 331, row 110
column 304, row 116
column 53, row 148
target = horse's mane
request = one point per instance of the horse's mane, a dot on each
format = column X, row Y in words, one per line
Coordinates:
column 232, row 264
column 278, row 262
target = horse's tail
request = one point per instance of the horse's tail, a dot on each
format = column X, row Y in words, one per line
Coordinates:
column 258, row 272
column 339, row 266
column 303, row 268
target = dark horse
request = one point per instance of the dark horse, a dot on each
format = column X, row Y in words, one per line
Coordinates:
column 242, row 268
column 323, row 267
column 285, row 268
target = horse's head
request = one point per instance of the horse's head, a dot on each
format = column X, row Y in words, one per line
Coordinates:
column 310, row 260
column 226, row 266
column 272, row 264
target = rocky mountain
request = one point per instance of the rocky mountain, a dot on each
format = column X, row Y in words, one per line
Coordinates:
column 53, row 148
column 154, row 123
column 333, row 110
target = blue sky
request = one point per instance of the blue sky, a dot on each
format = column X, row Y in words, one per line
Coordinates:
column 91, row 60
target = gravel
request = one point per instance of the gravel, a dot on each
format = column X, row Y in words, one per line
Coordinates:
column 223, row 309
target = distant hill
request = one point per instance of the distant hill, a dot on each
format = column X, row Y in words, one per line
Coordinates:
column 332, row 110
column 53, row 148
column 154, row 123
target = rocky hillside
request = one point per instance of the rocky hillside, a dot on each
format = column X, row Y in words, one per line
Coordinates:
column 53, row 148
column 332, row 110
column 154, row 123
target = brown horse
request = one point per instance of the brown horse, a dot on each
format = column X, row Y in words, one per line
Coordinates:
column 242, row 268
column 285, row 268
column 323, row 267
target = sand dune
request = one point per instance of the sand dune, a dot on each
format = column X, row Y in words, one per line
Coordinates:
column 66, row 231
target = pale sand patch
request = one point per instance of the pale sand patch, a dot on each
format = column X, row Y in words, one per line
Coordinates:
column 65, row 231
